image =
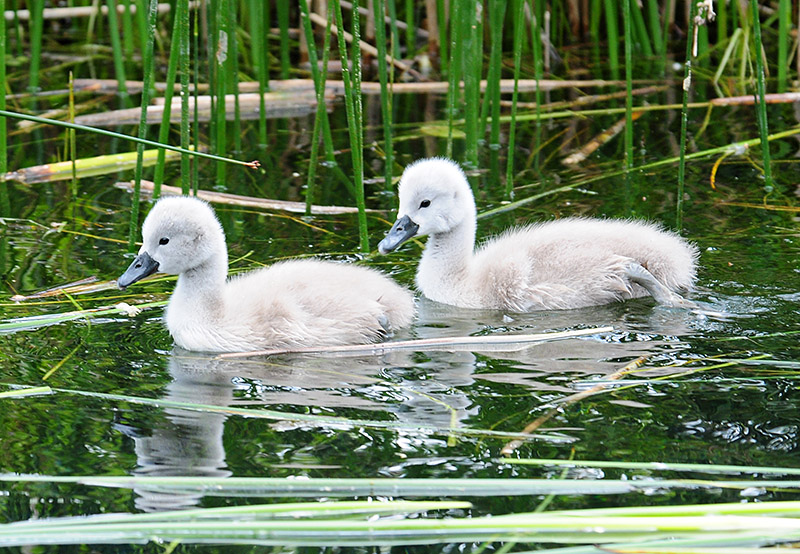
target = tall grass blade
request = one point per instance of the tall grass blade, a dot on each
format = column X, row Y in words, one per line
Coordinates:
column 172, row 68
column 518, row 16
column 5, row 207
column 116, row 49
column 784, row 41
column 411, row 30
column 472, row 65
column 497, row 14
column 258, row 46
column 612, row 37
column 687, row 84
column 444, row 48
column 106, row 132
column 761, row 106
column 626, row 22
column 538, row 69
column 320, row 118
column 232, row 66
column 654, row 28
column 183, row 38
column 352, row 85
column 147, row 70
column 386, row 95
column 454, row 75
column 283, row 29
column 73, row 149
column 221, row 55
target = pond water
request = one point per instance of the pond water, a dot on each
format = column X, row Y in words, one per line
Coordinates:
column 714, row 387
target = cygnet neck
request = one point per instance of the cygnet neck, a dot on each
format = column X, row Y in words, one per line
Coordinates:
column 201, row 287
column 448, row 256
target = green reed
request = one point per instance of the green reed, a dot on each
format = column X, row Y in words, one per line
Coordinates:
column 147, row 77
column 283, row 29
column 654, row 27
column 687, row 81
column 127, row 31
column 386, row 97
column 116, row 49
column 172, row 68
column 626, row 23
column 393, row 28
column 183, row 37
column 472, row 63
column 258, row 52
column 497, row 12
column 320, row 118
column 221, row 57
column 232, row 67
column 784, row 40
column 5, row 208
column 612, row 37
column 538, row 72
column 454, row 73
column 761, row 106
column 71, row 143
column 443, row 38
column 352, row 96
column 518, row 16
column 411, row 30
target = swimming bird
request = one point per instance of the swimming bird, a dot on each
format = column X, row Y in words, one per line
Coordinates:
column 562, row 264
column 295, row 303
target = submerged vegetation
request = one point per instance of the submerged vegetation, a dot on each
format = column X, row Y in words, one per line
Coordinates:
column 306, row 113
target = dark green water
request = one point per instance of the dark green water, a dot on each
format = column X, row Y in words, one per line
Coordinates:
column 682, row 406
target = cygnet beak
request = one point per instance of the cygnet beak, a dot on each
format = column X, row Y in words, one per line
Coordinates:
column 402, row 230
column 142, row 266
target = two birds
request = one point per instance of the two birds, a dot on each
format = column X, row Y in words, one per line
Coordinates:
column 562, row 264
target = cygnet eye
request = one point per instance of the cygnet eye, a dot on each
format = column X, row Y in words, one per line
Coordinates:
column 163, row 240
column 424, row 203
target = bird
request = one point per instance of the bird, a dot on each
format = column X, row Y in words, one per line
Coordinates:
column 289, row 304
column 560, row 264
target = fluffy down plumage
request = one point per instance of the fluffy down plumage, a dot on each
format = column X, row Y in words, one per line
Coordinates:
column 568, row 263
column 295, row 303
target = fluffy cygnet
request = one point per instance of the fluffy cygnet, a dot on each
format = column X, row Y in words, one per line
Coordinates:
column 295, row 303
column 568, row 263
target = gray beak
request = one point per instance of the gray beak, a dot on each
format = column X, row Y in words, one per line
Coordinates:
column 402, row 230
column 142, row 266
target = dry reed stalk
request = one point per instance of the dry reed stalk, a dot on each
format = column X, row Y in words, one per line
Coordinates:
column 365, row 47
column 571, row 399
column 278, row 105
column 244, row 201
column 109, row 86
column 493, row 343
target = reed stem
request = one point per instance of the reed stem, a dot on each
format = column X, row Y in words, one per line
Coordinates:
column 258, row 46
column 518, row 16
column 147, row 78
column 784, row 24
column 116, row 48
column 761, row 106
column 221, row 56
column 352, row 95
column 163, row 131
column 283, row 29
column 454, row 74
column 5, row 206
column 687, row 85
column 386, row 94
column 183, row 37
column 319, row 118
column 626, row 22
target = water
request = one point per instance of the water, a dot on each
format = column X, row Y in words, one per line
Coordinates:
column 694, row 399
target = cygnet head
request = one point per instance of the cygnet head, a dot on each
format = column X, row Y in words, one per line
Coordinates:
column 435, row 198
column 179, row 234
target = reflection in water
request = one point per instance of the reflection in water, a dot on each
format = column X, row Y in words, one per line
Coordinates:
column 418, row 389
